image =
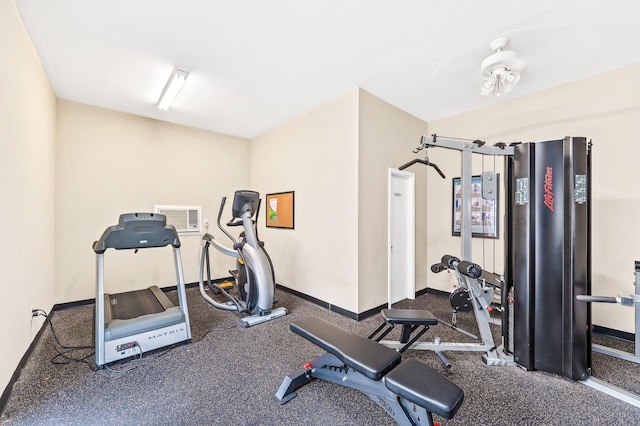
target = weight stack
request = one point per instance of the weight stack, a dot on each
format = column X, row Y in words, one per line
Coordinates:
column 548, row 253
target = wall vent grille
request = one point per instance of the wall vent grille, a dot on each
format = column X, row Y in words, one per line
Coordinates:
column 186, row 219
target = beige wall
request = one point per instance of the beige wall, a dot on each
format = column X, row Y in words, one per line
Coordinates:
column 604, row 108
column 110, row 163
column 387, row 135
column 316, row 156
column 27, row 160
column 336, row 158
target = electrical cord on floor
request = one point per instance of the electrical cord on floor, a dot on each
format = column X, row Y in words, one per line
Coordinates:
column 231, row 327
column 66, row 359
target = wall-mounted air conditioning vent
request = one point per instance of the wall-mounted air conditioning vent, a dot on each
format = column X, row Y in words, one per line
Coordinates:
column 186, row 219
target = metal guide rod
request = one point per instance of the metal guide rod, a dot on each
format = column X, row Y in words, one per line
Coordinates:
column 465, row 226
column 466, row 147
column 637, row 309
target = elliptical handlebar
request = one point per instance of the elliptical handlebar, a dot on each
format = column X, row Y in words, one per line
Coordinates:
column 222, row 203
column 255, row 223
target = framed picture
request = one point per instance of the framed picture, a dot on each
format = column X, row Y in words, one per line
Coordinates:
column 484, row 213
column 280, row 210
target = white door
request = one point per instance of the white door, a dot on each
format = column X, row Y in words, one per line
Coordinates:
column 401, row 236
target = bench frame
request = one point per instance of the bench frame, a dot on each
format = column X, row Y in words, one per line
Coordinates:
column 328, row 367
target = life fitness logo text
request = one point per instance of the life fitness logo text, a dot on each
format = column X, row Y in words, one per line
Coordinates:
column 548, row 188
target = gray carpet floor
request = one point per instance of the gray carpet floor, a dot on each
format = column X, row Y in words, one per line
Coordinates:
column 228, row 375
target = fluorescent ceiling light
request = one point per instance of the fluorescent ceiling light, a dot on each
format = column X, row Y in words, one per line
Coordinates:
column 175, row 83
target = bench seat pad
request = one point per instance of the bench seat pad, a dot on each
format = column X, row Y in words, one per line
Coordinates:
column 425, row 387
column 408, row 317
column 365, row 356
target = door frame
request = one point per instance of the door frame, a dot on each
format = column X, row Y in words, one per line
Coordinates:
column 408, row 180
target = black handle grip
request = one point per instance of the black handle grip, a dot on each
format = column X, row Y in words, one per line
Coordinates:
column 470, row 269
column 438, row 267
column 450, row 261
column 224, row 200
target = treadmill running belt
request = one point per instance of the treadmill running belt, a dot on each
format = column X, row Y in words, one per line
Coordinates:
column 133, row 304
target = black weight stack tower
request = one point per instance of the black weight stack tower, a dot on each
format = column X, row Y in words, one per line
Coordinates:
column 548, row 257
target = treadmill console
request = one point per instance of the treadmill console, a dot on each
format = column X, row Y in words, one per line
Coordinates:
column 242, row 198
column 138, row 230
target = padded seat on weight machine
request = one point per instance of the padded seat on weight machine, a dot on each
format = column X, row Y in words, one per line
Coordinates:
column 408, row 317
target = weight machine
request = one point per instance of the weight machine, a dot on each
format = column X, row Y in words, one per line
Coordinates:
column 547, row 251
column 545, row 324
column 472, row 292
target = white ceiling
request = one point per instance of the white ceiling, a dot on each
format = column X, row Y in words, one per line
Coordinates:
column 256, row 64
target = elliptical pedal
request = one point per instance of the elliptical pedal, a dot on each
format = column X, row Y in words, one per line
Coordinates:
column 225, row 285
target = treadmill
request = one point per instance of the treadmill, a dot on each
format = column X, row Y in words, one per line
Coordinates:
column 130, row 323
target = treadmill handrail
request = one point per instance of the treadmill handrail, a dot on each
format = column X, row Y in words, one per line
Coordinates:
column 138, row 231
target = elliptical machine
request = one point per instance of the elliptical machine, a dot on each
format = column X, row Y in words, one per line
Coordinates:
column 254, row 277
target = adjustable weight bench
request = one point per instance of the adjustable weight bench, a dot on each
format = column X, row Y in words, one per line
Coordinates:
column 408, row 391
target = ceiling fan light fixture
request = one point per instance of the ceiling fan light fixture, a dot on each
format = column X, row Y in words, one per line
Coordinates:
column 501, row 70
column 487, row 86
column 171, row 89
